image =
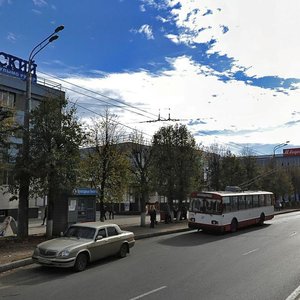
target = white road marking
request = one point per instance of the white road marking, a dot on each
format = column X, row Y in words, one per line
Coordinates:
column 148, row 293
column 250, row 251
column 294, row 295
column 292, row 234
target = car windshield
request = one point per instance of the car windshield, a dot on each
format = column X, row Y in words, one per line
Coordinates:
column 80, row 232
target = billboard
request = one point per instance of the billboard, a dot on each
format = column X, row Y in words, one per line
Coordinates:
column 291, row 152
column 17, row 67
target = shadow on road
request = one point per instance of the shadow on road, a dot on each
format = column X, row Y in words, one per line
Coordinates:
column 196, row 238
column 36, row 274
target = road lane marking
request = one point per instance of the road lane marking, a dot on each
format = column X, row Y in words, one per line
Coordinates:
column 294, row 295
column 292, row 234
column 254, row 250
column 148, row 293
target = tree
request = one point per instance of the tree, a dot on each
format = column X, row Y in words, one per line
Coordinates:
column 175, row 162
column 140, row 157
column 7, row 127
column 276, row 180
column 251, row 171
column 55, row 138
column 213, row 159
column 105, row 164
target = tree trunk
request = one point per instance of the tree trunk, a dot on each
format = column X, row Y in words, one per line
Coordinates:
column 22, row 229
column 143, row 219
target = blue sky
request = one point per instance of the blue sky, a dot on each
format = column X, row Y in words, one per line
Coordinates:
column 228, row 70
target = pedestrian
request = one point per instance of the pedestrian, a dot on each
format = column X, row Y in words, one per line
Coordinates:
column 168, row 214
column 111, row 213
column 152, row 217
column 45, row 215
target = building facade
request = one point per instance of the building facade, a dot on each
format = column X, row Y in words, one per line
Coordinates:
column 13, row 99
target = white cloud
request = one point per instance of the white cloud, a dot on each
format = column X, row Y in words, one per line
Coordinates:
column 254, row 114
column 147, row 30
column 11, row 37
column 144, row 30
column 40, row 3
column 262, row 34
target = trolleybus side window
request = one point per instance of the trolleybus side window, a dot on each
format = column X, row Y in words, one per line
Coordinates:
column 249, row 201
column 242, row 202
column 226, row 204
column 255, row 201
column 262, row 200
column 234, row 203
column 268, row 199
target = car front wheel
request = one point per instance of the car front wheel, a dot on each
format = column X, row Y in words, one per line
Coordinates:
column 81, row 262
column 123, row 251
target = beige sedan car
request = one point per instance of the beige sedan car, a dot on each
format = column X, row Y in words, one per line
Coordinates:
column 84, row 243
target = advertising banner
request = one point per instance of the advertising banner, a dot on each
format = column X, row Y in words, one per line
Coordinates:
column 291, row 152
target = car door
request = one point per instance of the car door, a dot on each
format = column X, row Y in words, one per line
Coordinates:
column 115, row 240
column 100, row 247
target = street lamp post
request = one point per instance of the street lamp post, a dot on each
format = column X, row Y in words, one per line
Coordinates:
column 24, row 176
column 279, row 146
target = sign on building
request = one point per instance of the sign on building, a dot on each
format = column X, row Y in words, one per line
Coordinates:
column 17, row 67
column 291, row 152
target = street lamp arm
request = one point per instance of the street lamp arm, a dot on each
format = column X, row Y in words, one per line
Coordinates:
column 41, row 48
column 279, row 146
column 32, row 54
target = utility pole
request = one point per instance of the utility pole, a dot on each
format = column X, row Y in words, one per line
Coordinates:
column 24, row 174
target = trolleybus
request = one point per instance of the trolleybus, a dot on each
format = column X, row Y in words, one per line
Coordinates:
column 229, row 211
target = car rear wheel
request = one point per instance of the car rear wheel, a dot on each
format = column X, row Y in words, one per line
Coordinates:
column 81, row 262
column 123, row 250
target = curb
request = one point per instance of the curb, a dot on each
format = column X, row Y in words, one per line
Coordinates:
column 16, row 264
column 28, row 261
column 148, row 235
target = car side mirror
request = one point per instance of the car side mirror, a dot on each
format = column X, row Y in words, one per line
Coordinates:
column 99, row 237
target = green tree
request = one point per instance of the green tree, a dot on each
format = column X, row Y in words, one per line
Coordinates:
column 276, row 180
column 140, row 156
column 251, row 171
column 105, row 163
column 175, row 162
column 55, row 138
column 7, row 127
column 213, row 159
column 231, row 170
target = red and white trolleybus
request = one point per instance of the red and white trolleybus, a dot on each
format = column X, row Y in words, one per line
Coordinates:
column 229, row 211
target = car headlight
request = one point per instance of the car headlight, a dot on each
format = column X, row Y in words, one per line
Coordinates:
column 63, row 253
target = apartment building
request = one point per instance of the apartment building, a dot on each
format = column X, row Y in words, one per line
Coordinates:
column 13, row 98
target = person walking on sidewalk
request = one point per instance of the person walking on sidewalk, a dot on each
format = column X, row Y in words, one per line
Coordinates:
column 45, row 214
column 152, row 217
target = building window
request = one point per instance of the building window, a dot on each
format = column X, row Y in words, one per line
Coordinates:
column 6, row 177
column 7, row 99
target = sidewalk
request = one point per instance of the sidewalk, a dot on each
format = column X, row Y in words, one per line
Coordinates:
column 130, row 223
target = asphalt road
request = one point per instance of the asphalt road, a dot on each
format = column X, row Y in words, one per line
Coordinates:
column 255, row 263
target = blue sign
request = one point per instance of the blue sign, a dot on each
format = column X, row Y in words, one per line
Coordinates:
column 17, row 67
column 85, row 191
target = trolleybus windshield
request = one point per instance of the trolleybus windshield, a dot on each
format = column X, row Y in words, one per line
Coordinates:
column 205, row 205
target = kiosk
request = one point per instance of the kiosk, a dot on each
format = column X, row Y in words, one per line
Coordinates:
column 78, row 207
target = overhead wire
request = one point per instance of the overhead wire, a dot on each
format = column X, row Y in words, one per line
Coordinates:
column 96, row 113
column 141, row 113
column 102, row 95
